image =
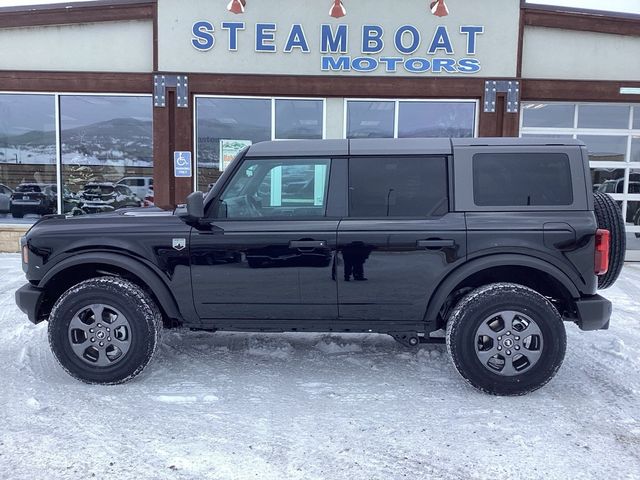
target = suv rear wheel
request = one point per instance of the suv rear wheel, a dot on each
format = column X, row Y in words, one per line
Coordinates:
column 104, row 330
column 506, row 339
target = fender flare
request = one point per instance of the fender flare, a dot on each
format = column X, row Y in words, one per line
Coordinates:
column 446, row 286
column 145, row 273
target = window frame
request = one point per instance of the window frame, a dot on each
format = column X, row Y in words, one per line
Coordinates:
column 463, row 179
column 474, row 185
column 449, row 187
column 396, row 113
column 58, row 128
column 574, row 131
column 330, row 196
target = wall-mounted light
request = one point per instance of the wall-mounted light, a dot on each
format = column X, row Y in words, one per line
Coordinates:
column 337, row 9
column 236, row 6
column 439, row 8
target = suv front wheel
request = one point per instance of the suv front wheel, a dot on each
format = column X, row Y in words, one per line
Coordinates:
column 104, row 330
column 506, row 339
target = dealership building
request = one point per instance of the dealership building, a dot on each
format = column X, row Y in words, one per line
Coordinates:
column 135, row 102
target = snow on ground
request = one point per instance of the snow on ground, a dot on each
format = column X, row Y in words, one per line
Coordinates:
column 316, row 406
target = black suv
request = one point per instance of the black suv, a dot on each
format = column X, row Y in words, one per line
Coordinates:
column 33, row 198
column 485, row 244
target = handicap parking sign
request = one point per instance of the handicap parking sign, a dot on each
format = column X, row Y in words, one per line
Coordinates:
column 182, row 164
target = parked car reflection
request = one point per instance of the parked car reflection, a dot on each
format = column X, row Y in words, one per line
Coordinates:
column 106, row 197
column 33, row 198
column 278, row 256
column 5, row 198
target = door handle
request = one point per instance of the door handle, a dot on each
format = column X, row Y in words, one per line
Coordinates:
column 307, row 244
column 435, row 243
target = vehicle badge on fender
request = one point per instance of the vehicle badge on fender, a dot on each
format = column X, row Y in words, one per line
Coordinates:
column 179, row 243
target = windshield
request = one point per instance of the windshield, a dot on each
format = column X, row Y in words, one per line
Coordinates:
column 29, row 188
column 98, row 190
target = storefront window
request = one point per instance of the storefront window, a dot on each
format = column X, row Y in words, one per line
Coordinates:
column 226, row 125
column 608, row 180
column 107, row 152
column 605, row 148
column 409, row 119
column 370, row 119
column 546, row 135
column 614, row 151
column 436, row 119
column 635, row 148
column 299, row 119
column 27, row 157
column 548, row 115
column 603, row 116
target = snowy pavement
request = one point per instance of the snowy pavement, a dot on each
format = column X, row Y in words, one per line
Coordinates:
column 316, row 406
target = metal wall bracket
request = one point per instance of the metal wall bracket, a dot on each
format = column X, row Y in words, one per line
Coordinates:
column 179, row 82
column 510, row 87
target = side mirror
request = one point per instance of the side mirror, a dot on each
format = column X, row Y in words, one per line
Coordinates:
column 195, row 205
column 193, row 211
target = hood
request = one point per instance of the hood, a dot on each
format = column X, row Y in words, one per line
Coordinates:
column 126, row 217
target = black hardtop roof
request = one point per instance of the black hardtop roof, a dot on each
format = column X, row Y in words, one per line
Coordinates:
column 391, row 146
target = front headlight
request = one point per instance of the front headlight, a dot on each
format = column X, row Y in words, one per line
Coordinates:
column 25, row 254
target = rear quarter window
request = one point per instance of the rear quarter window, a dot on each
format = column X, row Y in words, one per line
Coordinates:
column 521, row 179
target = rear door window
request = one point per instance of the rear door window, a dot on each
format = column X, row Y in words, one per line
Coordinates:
column 521, row 179
column 398, row 187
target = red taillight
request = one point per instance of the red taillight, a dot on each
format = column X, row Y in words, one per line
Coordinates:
column 601, row 263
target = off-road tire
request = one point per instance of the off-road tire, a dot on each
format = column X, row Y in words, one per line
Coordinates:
column 609, row 217
column 480, row 304
column 141, row 312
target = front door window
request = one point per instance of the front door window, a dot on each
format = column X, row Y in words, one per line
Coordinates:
column 273, row 188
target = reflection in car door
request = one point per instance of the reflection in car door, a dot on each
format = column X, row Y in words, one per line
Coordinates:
column 400, row 239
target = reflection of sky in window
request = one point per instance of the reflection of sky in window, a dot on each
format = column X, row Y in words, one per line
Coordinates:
column 370, row 119
column 603, row 116
column 299, row 119
column 24, row 113
column 538, row 114
column 605, row 147
column 234, row 118
column 436, row 119
column 77, row 111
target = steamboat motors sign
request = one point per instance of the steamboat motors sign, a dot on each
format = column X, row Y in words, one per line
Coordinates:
column 413, row 51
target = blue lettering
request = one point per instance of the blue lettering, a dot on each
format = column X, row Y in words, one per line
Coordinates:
column 468, row 65
column 203, row 38
column 446, row 64
column 391, row 63
column 471, row 32
column 339, row 63
column 415, row 39
column 297, row 39
column 333, row 42
column 364, row 64
column 372, row 39
column 265, row 34
column 233, row 28
column 417, row 65
column 441, row 40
